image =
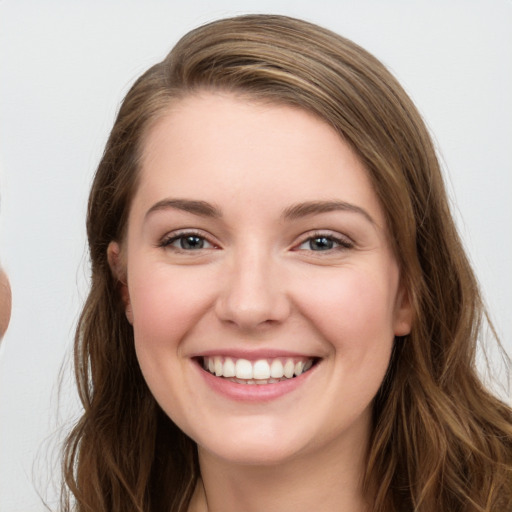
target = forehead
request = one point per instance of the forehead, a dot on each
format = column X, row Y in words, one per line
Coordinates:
column 220, row 146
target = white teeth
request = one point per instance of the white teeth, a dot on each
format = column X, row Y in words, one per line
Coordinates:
column 229, row 368
column 243, row 369
column 289, row 369
column 262, row 371
column 276, row 369
column 218, row 366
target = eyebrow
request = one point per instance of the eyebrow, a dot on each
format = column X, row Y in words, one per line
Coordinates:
column 293, row 212
column 201, row 208
column 316, row 207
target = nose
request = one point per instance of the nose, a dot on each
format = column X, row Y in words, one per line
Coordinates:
column 254, row 293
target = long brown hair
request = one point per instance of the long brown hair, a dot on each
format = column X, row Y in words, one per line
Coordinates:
column 440, row 441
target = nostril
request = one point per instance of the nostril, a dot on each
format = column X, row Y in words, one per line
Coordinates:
column 252, row 295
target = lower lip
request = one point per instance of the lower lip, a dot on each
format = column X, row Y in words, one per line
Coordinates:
column 253, row 392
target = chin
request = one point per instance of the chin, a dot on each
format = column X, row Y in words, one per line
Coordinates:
column 254, row 447
column 255, row 454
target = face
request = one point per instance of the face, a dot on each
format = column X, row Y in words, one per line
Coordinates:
column 260, row 283
column 5, row 302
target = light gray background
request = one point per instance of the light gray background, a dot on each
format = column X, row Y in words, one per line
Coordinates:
column 65, row 66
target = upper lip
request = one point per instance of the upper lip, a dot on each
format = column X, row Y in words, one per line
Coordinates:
column 252, row 355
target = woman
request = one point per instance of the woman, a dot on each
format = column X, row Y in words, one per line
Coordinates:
column 281, row 314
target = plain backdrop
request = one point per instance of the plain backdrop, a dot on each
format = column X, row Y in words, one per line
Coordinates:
column 64, row 68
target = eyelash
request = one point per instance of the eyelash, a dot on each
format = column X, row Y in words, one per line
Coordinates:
column 167, row 241
column 341, row 243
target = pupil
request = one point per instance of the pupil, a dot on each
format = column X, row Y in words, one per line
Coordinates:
column 321, row 244
column 192, row 242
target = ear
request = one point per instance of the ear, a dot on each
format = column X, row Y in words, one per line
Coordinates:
column 403, row 312
column 118, row 269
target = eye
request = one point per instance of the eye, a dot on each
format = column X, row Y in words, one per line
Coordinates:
column 186, row 242
column 323, row 242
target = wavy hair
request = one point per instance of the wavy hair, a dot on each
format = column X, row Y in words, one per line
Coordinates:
column 440, row 441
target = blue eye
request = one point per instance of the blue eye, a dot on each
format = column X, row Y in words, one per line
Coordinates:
column 320, row 243
column 191, row 242
column 187, row 242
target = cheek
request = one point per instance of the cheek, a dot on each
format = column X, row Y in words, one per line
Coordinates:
column 353, row 309
column 166, row 303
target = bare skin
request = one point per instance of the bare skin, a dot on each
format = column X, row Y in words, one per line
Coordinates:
column 297, row 486
column 5, row 302
column 255, row 235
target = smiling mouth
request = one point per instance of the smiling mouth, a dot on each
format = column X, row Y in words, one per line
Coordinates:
column 261, row 371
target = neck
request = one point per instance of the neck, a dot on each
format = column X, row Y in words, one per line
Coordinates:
column 330, row 481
